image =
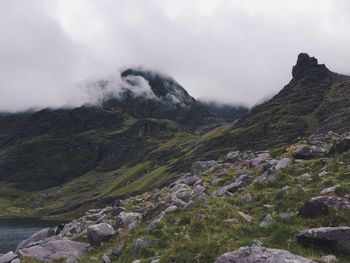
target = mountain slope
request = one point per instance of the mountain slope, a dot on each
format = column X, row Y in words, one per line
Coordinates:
column 146, row 135
column 64, row 159
column 315, row 100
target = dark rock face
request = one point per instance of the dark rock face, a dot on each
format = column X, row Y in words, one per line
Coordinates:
column 255, row 254
column 308, row 65
column 328, row 238
column 320, row 205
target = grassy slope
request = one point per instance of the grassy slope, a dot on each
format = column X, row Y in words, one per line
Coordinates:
column 180, row 236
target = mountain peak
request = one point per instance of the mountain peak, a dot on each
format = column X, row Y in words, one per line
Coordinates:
column 308, row 65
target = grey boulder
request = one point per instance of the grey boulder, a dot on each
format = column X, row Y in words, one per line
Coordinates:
column 329, row 238
column 55, row 249
column 309, row 152
column 257, row 254
column 242, row 181
column 40, row 235
column 283, row 163
column 99, row 233
column 320, row 205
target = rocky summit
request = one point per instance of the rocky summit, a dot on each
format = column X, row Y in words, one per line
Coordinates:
column 153, row 175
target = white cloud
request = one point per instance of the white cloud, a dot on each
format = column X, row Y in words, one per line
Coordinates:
column 230, row 51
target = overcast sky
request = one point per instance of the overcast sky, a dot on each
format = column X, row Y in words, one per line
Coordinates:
column 228, row 51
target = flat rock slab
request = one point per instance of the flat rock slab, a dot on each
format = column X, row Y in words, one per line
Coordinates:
column 55, row 249
column 257, row 254
column 328, row 238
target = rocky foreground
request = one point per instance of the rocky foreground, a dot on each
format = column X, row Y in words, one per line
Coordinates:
column 249, row 207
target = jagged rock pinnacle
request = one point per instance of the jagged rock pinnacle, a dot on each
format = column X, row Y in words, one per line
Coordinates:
column 306, row 64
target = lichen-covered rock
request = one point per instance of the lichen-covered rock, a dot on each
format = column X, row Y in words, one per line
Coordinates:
column 329, row 238
column 258, row 254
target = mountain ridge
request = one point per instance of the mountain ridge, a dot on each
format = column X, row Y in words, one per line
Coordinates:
column 127, row 145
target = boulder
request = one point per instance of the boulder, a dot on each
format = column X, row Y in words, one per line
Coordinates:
column 309, row 152
column 242, row 181
column 283, row 163
column 328, row 259
column 233, row 155
column 258, row 254
column 304, row 177
column 129, row 217
column 320, row 205
column 341, row 145
column 200, row 167
column 55, row 249
column 105, row 258
column 188, row 180
column 329, row 190
column 269, row 176
column 260, row 159
column 336, row 239
column 286, row 215
column 246, row 217
column 40, row 235
column 267, row 221
column 181, row 191
column 99, row 233
column 8, row 257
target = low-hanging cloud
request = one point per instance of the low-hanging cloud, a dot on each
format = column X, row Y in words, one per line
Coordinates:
column 228, row 51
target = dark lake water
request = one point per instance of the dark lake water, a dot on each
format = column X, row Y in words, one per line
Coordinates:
column 14, row 230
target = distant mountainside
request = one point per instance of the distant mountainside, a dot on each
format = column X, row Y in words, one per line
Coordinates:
column 149, row 133
column 43, row 149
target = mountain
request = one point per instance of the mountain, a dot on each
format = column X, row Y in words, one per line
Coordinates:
column 316, row 100
column 133, row 140
column 148, row 132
